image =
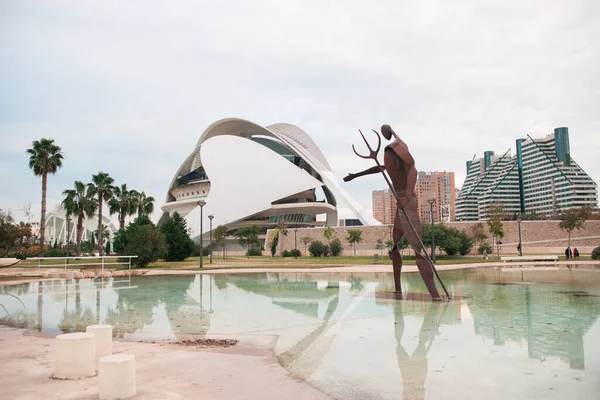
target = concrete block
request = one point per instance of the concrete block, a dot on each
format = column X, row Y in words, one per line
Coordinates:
column 75, row 356
column 116, row 377
column 104, row 337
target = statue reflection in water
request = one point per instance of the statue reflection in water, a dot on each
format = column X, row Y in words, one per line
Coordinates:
column 414, row 367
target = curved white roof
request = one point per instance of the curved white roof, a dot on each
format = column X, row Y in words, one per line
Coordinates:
column 246, row 177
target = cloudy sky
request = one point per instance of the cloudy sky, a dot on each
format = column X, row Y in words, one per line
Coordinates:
column 127, row 87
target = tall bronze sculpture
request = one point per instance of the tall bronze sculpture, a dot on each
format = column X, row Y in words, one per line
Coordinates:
column 400, row 166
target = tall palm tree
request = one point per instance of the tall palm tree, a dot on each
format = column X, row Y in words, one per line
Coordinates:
column 82, row 203
column 145, row 204
column 44, row 158
column 102, row 187
column 124, row 203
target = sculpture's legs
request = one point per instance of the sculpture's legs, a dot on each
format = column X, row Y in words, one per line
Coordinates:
column 396, row 256
column 413, row 238
column 428, row 278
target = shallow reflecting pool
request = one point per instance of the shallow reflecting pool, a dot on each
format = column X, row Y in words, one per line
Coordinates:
column 509, row 333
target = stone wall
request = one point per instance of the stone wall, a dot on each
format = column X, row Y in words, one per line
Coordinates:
column 537, row 237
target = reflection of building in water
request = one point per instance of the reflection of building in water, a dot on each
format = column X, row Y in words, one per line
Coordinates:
column 308, row 298
column 551, row 320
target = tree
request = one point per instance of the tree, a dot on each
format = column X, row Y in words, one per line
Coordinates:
column 179, row 244
column 145, row 204
column 478, row 234
column 247, row 236
column 146, row 242
column 105, row 235
column 328, row 235
column 306, row 240
column 13, row 236
column 102, row 187
column 354, row 236
column 141, row 238
column 80, row 202
column 219, row 236
column 283, row 231
column 124, row 203
column 44, row 158
column 574, row 218
column 466, row 243
column 496, row 215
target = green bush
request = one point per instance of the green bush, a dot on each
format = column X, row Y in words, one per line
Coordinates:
column 55, row 252
column 596, row 253
column 291, row 253
column 485, row 247
column 335, row 247
column 254, row 251
column 318, row 249
column 205, row 250
column 466, row 243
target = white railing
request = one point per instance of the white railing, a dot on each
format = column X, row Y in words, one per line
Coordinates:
column 66, row 261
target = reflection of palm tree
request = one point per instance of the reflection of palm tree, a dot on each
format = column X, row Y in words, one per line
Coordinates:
column 414, row 368
column 40, row 305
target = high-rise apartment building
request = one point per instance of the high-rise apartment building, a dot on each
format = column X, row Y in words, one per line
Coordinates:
column 430, row 185
column 384, row 206
column 542, row 178
column 440, row 187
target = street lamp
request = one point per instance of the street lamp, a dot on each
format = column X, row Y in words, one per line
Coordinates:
column 210, row 217
column 68, row 233
column 520, row 244
column 295, row 243
column 201, row 203
column 431, row 203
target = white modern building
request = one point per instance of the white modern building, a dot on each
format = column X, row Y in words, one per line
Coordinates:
column 57, row 229
column 250, row 174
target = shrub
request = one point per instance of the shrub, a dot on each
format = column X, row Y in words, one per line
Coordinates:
column 254, row 251
column 295, row 253
column 317, row 249
column 596, row 253
column 466, row 243
column 146, row 242
column 485, row 247
column 335, row 248
column 205, row 250
column 55, row 252
column 285, row 253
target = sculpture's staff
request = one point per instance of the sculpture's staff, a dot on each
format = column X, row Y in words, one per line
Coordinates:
column 373, row 155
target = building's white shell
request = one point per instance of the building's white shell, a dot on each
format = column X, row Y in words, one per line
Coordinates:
column 246, row 178
column 57, row 230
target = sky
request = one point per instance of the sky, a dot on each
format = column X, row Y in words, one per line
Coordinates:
column 127, row 88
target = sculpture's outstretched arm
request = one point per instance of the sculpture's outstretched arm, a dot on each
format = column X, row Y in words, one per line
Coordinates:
column 369, row 171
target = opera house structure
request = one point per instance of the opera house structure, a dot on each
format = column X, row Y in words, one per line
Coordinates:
column 249, row 174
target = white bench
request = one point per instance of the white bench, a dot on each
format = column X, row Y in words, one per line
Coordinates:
column 539, row 257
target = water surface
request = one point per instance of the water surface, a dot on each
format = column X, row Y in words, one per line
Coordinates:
column 512, row 332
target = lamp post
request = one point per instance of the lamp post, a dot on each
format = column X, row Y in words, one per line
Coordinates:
column 295, row 243
column 520, row 244
column 68, row 233
column 210, row 217
column 201, row 203
column 431, row 203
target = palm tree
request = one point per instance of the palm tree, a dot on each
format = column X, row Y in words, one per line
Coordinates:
column 145, row 204
column 80, row 202
column 124, row 203
column 44, row 158
column 102, row 186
